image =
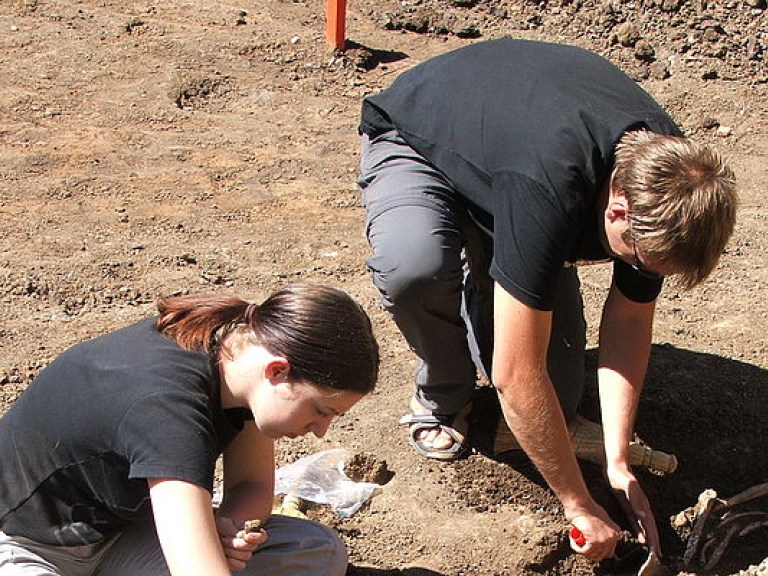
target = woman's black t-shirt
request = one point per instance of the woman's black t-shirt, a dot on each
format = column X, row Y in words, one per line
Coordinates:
column 78, row 445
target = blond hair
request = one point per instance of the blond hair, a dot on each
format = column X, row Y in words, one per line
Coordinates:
column 682, row 202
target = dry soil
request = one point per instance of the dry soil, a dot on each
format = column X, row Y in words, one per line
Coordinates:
column 151, row 148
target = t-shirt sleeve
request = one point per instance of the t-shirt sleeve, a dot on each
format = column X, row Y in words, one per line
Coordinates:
column 170, row 435
column 533, row 231
column 634, row 285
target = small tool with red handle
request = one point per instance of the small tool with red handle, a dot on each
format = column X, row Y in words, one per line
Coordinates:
column 577, row 537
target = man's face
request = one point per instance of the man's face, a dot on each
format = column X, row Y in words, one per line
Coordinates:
column 618, row 237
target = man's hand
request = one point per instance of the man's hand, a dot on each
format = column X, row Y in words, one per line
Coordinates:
column 636, row 506
column 599, row 536
column 237, row 544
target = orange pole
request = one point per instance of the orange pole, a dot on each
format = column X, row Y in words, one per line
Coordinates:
column 336, row 15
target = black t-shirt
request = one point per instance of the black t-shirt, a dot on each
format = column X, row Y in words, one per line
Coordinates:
column 77, row 446
column 525, row 132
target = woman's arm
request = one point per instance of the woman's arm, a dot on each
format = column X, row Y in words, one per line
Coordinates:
column 188, row 535
column 193, row 541
column 249, row 476
column 249, row 486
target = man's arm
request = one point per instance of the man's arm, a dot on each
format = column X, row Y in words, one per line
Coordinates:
column 625, row 343
column 533, row 413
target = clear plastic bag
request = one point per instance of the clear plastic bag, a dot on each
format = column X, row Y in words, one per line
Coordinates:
column 320, row 478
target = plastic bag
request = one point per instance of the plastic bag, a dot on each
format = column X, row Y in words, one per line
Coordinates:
column 320, row 478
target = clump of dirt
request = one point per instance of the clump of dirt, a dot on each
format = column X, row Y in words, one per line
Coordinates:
column 198, row 90
column 367, row 467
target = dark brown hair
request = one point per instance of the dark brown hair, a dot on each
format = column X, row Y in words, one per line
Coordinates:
column 324, row 334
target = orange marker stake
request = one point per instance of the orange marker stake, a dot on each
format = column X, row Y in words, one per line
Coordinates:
column 336, row 15
column 577, row 537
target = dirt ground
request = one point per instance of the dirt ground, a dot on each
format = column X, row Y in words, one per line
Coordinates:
column 150, row 148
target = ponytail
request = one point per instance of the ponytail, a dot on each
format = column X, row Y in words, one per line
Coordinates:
column 193, row 321
column 324, row 334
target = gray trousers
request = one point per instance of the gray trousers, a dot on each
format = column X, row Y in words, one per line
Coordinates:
column 430, row 264
column 296, row 547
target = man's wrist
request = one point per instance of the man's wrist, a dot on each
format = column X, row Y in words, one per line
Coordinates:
column 580, row 508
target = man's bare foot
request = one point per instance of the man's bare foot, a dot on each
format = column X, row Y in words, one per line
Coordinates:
column 436, row 438
column 443, row 439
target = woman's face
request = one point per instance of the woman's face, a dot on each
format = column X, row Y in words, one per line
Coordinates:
column 293, row 409
column 254, row 378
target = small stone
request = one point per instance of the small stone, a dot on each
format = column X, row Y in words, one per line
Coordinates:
column 670, row 5
column 658, row 71
column 627, row 34
column 644, row 51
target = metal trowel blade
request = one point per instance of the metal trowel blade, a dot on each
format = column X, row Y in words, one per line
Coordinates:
column 651, row 567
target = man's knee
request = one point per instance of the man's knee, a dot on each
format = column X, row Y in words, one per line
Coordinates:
column 415, row 274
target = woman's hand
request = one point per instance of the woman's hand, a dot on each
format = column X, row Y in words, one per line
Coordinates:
column 238, row 545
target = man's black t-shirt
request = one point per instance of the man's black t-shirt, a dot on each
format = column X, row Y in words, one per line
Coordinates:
column 78, row 445
column 525, row 132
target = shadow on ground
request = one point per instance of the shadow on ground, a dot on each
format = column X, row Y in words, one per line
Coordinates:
column 708, row 410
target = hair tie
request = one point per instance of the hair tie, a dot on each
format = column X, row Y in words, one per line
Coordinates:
column 251, row 313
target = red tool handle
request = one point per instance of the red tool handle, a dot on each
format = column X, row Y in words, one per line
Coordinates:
column 577, row 537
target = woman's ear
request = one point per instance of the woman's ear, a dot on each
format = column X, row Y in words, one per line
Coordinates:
column 277, row 369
